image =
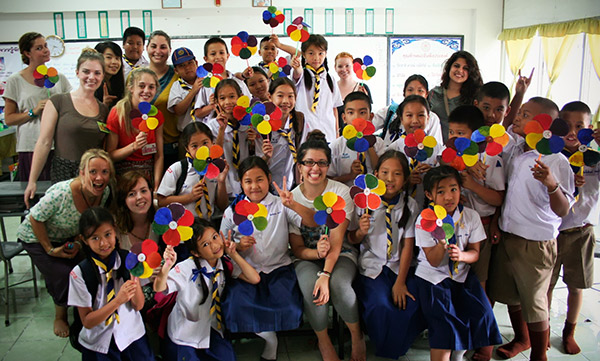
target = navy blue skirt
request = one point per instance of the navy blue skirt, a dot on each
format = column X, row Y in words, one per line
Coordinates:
column 138, row 350
column 459, row 315
column 274, row 304
column 220, row 349
column 391, row 329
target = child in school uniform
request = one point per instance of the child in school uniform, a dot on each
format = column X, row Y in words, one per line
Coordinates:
column 258, row 84
column 386, row 237
column 318, row 95
column 275, row 304
column 388, row 120
column 540, row 192
column 200, row 195
column 576, row 240
column 113, row 328
column 195, row 329
column 280, row 149
column 346, row 163
column 458, row 313
column 215, row 52
column 183, row 93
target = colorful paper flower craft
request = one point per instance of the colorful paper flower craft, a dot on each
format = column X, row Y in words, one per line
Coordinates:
column 173, row 223
column 211, row 74
column 367, row 191
column 437, row 222
column 273, row 17
column 495, row 138
column 279, row 69
column 585, row 155
column 296, row 30
column 249, row 216
column 363, row 68
column 243, row 110
column 45, row 77
column 266, row 117
column 208, row 162
column 545, row 135
column 143, row 118
column 460, row 153
column 330, row 210
column 143, row 258
column 243, row 45
column 419, row 146
column 359, row 135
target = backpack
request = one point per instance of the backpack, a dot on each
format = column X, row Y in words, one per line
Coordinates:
column 184, row 168
column 90, row 277
column 388, row 117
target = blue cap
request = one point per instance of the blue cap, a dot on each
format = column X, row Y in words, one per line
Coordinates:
column 181, row 55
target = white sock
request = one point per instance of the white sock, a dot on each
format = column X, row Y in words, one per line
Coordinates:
column 457, row 355
column 270, row 350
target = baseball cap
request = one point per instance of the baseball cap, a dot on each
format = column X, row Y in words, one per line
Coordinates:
column 181, row 55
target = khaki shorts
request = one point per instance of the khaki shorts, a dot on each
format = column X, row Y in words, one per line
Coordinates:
column 576, row 256
column 520, row 274
column 482, row 265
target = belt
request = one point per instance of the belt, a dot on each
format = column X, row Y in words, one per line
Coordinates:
column 575, row 229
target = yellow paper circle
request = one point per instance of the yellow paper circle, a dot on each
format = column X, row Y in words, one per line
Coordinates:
column 349, row 132
column 329, row 199
column 147, row 271
column 440, row 211
column 214, row 81
column 152, row 123
column 42, row 69
column 296, row 35
column 532, row 139
column 202, row 153
column 497, row 130
column 429, row 141
column 470, row 160
column 380, row 190
column 262, row 211
column 243, row 101
column 185, row 232
column 273, row 68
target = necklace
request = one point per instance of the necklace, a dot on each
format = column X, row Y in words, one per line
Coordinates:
column 138, row 237
column 83, row 195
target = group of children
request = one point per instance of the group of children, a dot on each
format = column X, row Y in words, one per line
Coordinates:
column 517, row 216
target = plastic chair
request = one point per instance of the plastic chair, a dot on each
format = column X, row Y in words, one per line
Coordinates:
column 8, row 250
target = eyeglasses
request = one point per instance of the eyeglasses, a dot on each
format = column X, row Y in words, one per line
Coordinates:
column 311, row 163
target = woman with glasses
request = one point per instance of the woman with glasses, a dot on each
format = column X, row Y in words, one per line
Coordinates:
column 326, row 263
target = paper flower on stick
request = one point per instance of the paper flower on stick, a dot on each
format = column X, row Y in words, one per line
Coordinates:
column 437, row 222
column 212, row 74
column 495, row 137
column 208, row 162
column 279, row 69
column 460, row 153
column 273, row 17
column 296, row 30
column 45, row 77
column 266, row 117
column 419, row 146
column 249, row 216
column 173, row 223
column 359, row 135
column 243, row 45
column 143, row 118
column 367, row 191
column 330, row 210
column 585, row 155
column 243, row 111
column 143, row 258
column 363, row 68
column 545, row 135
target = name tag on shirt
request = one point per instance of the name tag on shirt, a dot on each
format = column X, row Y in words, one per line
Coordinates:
column 149, row 149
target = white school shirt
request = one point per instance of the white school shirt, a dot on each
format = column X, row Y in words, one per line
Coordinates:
column 281, row 164
column 432, row 127
column 233, row 183
column 526, row 211
column 169, row 183
column 271, row 250
column 141, row 63
column 323, row 117
column 468, row 229
column 311, row 235
column 176, row 95
column 203, row 97
column 585, row 209
column 373, row 248
column 342, row 158
column 97, row 339
column 494, row 179
column 189, row 323
column 514, row 148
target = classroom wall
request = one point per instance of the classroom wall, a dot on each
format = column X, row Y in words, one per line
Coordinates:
column 479, row 21
column 519, row 13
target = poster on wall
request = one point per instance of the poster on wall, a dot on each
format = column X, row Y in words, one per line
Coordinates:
column 10, row 63
column 423, row 55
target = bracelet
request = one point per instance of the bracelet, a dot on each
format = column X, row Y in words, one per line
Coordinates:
column 51, row 251
column 324, row 273
column 555, row 189
column 31, row 113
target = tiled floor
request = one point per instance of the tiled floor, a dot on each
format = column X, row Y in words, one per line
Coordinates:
column 30, row 337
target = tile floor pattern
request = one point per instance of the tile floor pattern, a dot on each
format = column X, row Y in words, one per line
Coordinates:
column 30, row 337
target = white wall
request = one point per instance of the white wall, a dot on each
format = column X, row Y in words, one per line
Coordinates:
column 519, row 13
column 479, row 21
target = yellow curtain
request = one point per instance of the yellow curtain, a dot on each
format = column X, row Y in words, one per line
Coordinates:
column 556, row 51
column 517, row 51
column 594, row 43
